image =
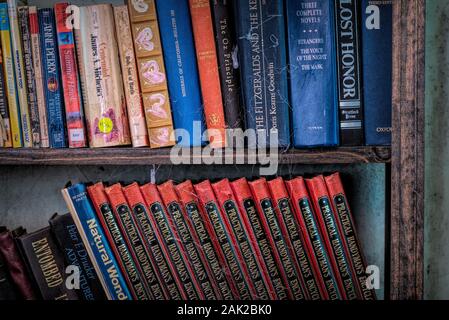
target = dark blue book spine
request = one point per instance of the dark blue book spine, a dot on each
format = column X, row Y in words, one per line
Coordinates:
column 182, row 72
column 52, row 79
column 313, row 72
column 377, row 70
column 261, row 32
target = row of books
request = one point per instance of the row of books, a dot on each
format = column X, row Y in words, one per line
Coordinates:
column 133, row 74
column 260, row 240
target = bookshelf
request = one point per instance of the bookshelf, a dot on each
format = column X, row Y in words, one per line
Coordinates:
column 403, row 162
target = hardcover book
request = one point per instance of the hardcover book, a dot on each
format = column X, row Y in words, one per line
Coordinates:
column 152, row 75
column 118, row 244
column 183, row 81
column 95, row 241
column 7, row 288
column 52, row 79
column 70, row 80
column 349, row 64
column 206, row 54
column 10, row 80
column 223, row 242
column 103, row 96
column 6, row 140
column 25, row 33
column 38, row 75
column 377, row 39
column 313, row 76
column 47, row 265
column 200, row 231
column 262, row 49
column 332, row 237
column 262, row 246
column 146, row 261
column 69, row 242
column 309, row 227
column 19, row 67
column 228, row 64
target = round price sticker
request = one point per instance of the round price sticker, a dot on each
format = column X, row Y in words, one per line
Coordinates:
column 105, row 125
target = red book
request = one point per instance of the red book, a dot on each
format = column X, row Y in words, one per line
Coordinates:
column 347, row 228
column 241, row 240
column 179, row 258
column 258, row 237
column 203, row 32
column 332, row 238
column 117, row 242
column 312, row 236
column 187, row 240
column 267, row 215
column 294, row 239
column 146, row 262
column 70, row 80
column 212, row 217
column 153, row 241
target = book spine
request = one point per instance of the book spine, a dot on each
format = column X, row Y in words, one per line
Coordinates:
column 349, row 65
column 4, row 111
column 227, row 53
column 47, row 265
column 183, row 81
column 103, row 96
column 154, row 242
column 38, row 76
column 313, row 76
column 377, row 39
column 266, row 209
column 96, row 244
column 118, row 244
column 312, row 236
column 200, row 231
column 129, row 228
column 52, row 79
column 347, row 228
column 70, row 80
column 24, row 24
column 258, row 236
column 206, row 54
column 151, row 69
column 178, row 222
column 177, row 254
column 263, row 60
column 69, row 242
column 10, row 81
column 241, row 240
column 7, row 289
column 332, row 237
column 19, row 66
column 220, row 236
column 293, row 237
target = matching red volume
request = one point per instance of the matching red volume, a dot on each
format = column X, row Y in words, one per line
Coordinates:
column 267, row 214
column 241, row 240
column 294, row 239
column 258, row 237
column 332, row 238
column 161, row 221
column 312, row 236
column 347, row 228
column 153, row 241
column 213, row 218
column 187, row 241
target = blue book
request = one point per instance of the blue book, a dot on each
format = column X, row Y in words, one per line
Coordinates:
column 52, row 79
column 182, row 71
column 260, row 29
column 377, row 71
column 313, row 72
column 96, row 243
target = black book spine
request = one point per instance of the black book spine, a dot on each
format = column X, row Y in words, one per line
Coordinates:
column 350, row 98
column 7, row 288
column 4, row 111
column 69, row 241
column 228, row 62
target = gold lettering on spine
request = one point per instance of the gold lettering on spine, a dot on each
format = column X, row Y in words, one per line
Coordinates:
column 47, row 263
